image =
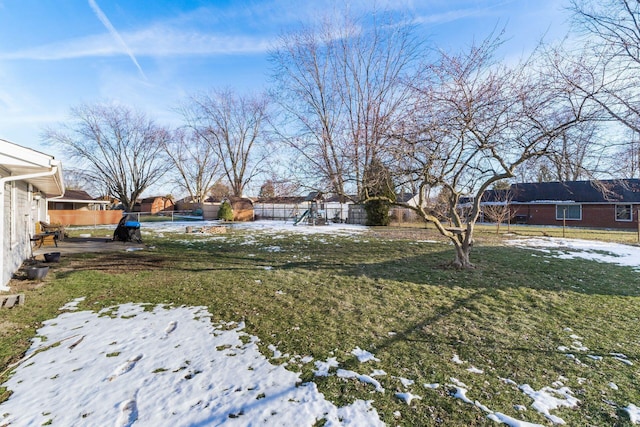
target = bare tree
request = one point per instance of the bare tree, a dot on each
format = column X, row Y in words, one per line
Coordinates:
column 219, row 191
column 341, row 87
column 307, row 92
column 77, row 179
column 235, row 127
column 579, row 153
column 629, row 157
column 475, row 123
column 267, row 190
column 613, row 27
column 196, row 164
column 498, row 208
column 277, row 187
column 119, row 148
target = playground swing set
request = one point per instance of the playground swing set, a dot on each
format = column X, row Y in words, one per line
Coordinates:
column 313, row 215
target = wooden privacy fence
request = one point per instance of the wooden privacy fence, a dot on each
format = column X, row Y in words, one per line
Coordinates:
column 84, row 217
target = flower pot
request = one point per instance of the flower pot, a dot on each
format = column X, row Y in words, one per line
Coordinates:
column 37, row 273
column 52, row 257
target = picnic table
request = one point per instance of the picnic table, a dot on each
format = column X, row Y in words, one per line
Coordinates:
column 46, row 233
column 46, row 228
column 40, row 238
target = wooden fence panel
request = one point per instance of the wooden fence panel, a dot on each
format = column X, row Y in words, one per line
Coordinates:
column 84, row 217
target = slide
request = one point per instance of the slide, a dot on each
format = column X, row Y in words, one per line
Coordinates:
column 303, row 216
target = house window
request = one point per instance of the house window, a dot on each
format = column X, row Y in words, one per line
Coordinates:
column 570, row 212
column 624, row 213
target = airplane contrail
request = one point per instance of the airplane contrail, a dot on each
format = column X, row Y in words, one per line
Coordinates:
column 105, row 21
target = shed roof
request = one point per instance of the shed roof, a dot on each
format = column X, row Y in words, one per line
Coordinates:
column 152, row 199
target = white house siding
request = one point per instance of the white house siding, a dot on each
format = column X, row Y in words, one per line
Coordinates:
column 9, row 265
column 23, row 172
column 17, row 221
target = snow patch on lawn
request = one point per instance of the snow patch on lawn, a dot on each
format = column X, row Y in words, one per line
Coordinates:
column 614, row 253
column 263, row 226
column 363, row 355
column 150, row 366
column 547, row 399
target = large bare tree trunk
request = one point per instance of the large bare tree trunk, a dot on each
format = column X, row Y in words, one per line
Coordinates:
column 462, row 260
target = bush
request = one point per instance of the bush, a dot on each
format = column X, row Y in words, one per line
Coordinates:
column 377, row 212
column 226, row 212
column 378, row 195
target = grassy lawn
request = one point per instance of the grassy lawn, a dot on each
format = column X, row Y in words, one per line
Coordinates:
column 490, row 231
column 517, row 318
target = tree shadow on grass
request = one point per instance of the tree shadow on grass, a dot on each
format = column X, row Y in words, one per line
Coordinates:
column 514, row 356
column 133, row 262
column 505, row 268
column 498, row 267
column 422, row 331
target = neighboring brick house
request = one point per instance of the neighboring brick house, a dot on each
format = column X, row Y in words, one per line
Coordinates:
column 154, row 205
column 601, row 204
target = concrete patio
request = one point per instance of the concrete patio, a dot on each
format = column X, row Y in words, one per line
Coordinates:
column 73, row 245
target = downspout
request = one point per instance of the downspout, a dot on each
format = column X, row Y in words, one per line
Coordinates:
column 46, row 200
column 3, row 181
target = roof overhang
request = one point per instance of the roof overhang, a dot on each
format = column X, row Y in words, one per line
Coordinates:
column 85, row 201
column 40, row 170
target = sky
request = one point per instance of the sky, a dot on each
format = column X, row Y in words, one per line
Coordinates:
column 142, row 365
column 152, row 54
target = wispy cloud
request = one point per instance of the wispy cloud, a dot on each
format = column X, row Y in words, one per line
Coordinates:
column 105, row 21
column 204, row 31
column 156, row 41
column 161, row 40
column 464, row 9
column 449, row 16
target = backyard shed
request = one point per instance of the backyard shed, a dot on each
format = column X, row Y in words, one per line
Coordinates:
column 154, row 205
column 242, row 208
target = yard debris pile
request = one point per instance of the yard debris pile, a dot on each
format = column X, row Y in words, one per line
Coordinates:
column 211, row 229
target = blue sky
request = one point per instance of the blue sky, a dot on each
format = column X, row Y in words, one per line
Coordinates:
column 152, row 54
